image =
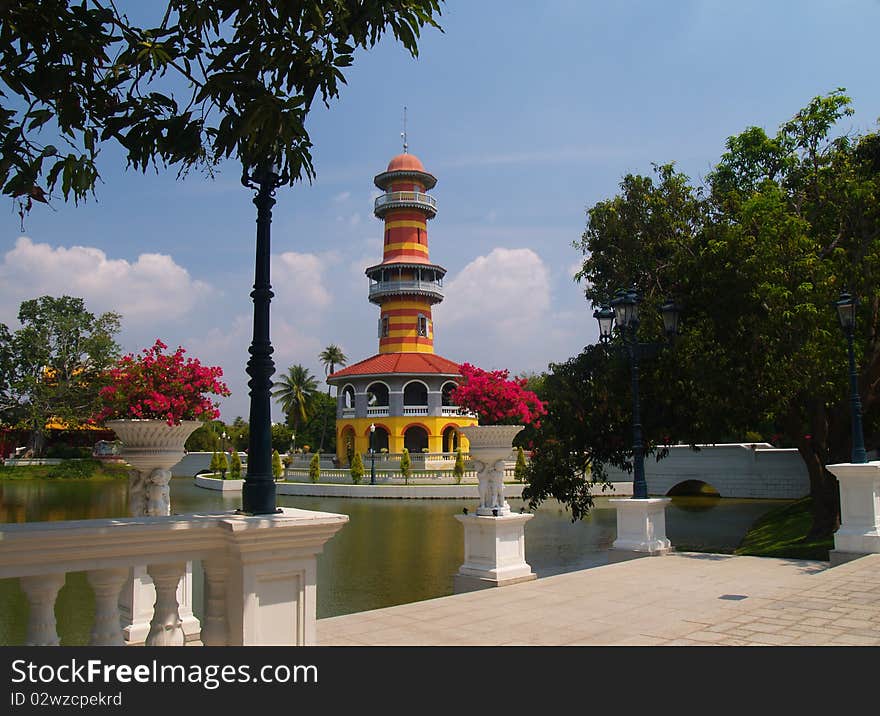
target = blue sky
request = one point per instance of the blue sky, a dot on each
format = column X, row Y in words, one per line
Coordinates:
column 528, row 113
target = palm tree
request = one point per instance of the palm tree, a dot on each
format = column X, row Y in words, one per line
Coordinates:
column 331, row 357
column 295, row 392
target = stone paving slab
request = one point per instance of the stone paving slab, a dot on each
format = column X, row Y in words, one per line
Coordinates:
column 677, row 600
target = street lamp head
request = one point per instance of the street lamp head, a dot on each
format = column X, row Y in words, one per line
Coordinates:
column 626, row 308
column 671, row 312
column 605, row 316
column 846, row 311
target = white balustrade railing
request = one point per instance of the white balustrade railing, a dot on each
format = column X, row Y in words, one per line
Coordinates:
column 415, row 409
column 248, row 561
column 449, row 410
column 348, row 412
column 381, row 287
column 378, row 412
column 393, row 198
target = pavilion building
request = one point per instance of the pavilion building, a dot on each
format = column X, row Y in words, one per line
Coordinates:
column 404, row 390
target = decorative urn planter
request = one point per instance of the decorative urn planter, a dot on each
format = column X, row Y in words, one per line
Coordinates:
column 151, row 447
column 490, row 446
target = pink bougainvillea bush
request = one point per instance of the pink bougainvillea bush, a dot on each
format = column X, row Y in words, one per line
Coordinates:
column 154, row 384
column 497, row 399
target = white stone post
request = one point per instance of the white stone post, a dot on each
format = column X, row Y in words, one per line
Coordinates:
column 215, row 631
column 641, row 528
column 272, row 576
column 859, row 532
column 494, row 552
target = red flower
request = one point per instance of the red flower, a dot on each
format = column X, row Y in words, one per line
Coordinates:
column 157, row 385
column 495, row 398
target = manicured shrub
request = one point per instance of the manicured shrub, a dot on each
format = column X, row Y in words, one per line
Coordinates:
column 235, row 467
column 277, row 467
column 315, row 468
column 458, row 469
column 357, row 468
column 519, row 472
column 405, row 465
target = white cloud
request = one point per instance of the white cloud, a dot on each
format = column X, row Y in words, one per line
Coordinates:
column 151, row 289
column 500, row 312
column 298, row 282
column 342, row 197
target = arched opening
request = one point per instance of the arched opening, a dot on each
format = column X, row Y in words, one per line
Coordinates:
column 447, row 393
column 415, row 393
column 348, row 397
column 693, row 488
column 377, row 395
column 415, row 439
column 379, row 440
column 450, row 439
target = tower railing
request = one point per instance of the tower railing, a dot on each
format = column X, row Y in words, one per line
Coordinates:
column 404, row 200
column 380, row 288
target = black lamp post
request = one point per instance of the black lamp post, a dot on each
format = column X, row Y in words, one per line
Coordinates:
column 372, row 455
column 258, row 491
column 846, row 314
column 624, row 311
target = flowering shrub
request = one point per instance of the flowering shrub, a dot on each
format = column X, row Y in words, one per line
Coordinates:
column 160, row 386
column 496, row 399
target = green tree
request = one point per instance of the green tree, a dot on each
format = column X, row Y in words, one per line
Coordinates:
column 757, row 257
column 282, row 436
column 356, row 468
column 223, row 464
column 295, row 392
column 315, row 468
column 205, row 437
column 322, row 408
column 277, row 467
column 214, row 467
column 200, row 81
column 405, row 465
column 53, row 365
column 458, row 468
column 235, row 466
column 330, row 357
column 519, row 470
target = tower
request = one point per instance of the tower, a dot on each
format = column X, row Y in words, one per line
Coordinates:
column 406, row 284
column 404, row 390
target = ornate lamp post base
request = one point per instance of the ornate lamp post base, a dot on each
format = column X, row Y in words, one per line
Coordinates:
column 641, row 528
column 859, row 532
column 494, row 552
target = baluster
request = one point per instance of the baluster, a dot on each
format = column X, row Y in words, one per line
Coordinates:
column 41, row 593
column 107, row 583
column 215, row 631
column 165, row 628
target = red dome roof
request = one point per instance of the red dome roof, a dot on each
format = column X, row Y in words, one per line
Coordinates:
column 405, row 162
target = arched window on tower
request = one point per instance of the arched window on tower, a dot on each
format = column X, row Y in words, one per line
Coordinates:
column 423, row 325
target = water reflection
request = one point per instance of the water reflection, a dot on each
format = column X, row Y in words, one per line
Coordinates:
column 391, row 552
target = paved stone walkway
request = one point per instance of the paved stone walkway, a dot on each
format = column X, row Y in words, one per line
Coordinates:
column 679, row 599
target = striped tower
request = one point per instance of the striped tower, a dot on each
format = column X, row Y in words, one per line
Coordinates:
column 402, row 396
column 406, row 284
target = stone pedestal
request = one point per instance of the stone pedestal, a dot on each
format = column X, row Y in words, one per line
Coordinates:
column 859, row 532
column 494, row 552
column 641, row 528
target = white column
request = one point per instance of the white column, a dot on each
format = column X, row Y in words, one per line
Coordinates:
column 494, row 552
column 641, row 528
column 215, row 631
column 165, row 627
column 41, row 592
column 859, row 532
column 107, row 583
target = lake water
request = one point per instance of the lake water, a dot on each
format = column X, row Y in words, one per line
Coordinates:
column 391, row 551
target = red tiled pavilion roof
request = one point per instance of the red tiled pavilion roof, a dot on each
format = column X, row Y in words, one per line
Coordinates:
column 411, row 363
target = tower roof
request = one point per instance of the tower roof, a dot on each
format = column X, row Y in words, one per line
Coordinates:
column 405, row 166
column 407, row 363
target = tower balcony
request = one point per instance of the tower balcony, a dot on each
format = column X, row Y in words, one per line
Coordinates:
column 432, row 290
column 405, row 200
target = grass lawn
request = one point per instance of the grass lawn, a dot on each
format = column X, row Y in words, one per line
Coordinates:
column 782, row 533
column 80, row 469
